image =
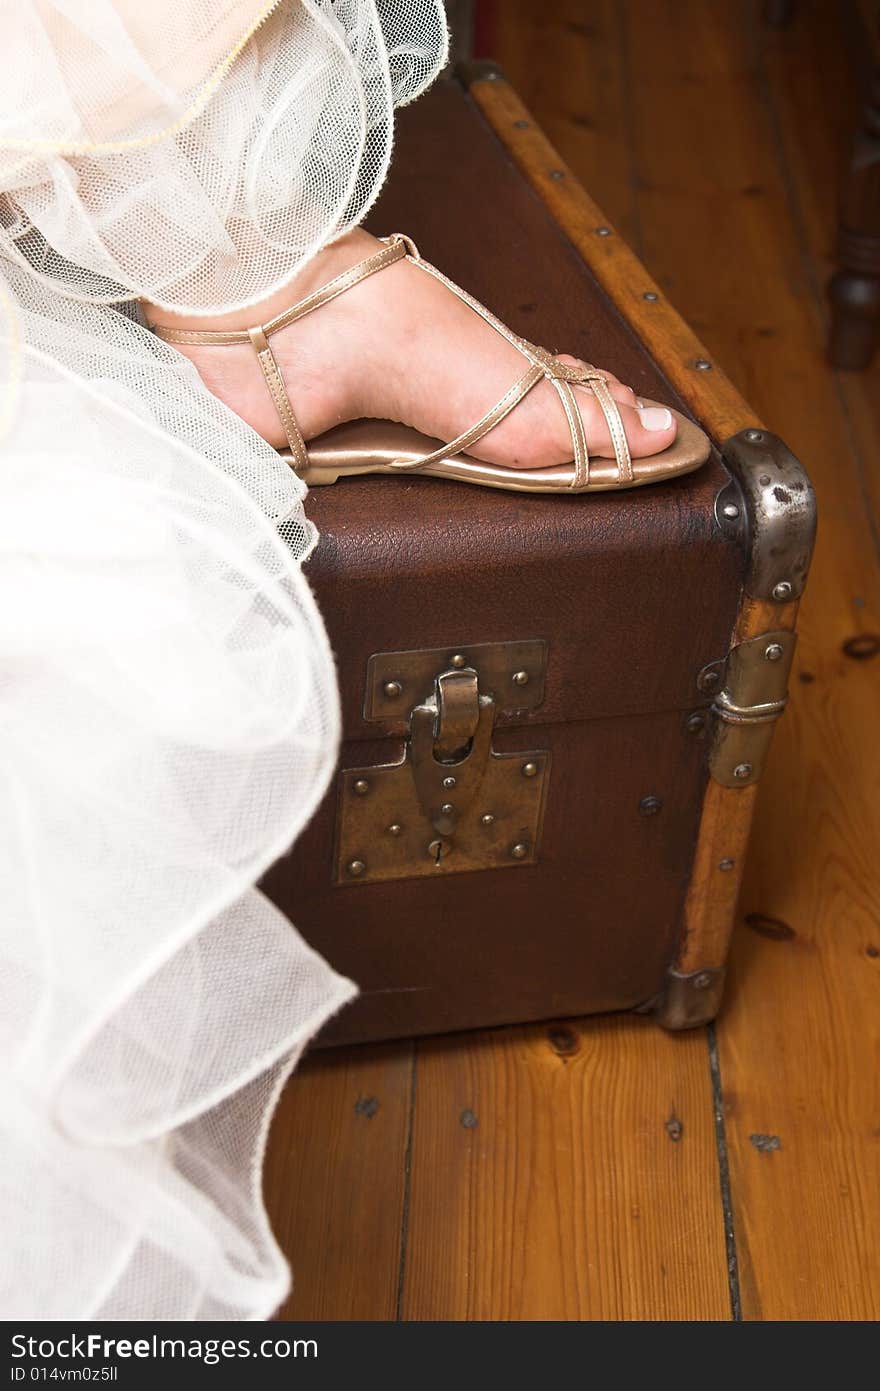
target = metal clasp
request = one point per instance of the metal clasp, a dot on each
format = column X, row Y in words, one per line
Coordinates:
column 457, row 697
column 451, row 804
column 450, row 740
column 754, row 695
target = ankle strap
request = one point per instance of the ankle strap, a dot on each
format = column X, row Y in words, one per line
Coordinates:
column 395, row 248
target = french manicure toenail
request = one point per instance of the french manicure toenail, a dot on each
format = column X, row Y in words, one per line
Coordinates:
column 656, row 418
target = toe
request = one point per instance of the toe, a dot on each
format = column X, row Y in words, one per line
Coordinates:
column 649, row 429
column 623, row 394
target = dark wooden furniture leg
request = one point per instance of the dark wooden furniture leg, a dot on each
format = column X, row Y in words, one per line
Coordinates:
column 461, row 16
column 777, row 13
column 854, row 290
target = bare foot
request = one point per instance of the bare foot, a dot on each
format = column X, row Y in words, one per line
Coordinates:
column 399, row 346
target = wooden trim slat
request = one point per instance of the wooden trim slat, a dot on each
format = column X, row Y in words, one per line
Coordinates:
column 727, row 813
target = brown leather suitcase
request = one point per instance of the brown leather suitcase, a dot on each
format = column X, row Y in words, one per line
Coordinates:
column 555, row 710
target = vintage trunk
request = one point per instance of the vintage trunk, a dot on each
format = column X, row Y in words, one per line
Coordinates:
column 614, row 662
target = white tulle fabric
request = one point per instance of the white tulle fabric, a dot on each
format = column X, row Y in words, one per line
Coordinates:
column 168, row 713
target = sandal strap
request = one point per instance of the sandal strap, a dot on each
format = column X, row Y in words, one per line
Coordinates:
column 395, row 249
column 581, row 454
column 493, row 417
column 611, row 412
column 562, row 375
column 278, row 392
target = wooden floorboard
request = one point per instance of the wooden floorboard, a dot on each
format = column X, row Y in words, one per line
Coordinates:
column 829, row 769
column 565, row 1172
column 544, row 1177
column 336, row 1180
column 799, row 1038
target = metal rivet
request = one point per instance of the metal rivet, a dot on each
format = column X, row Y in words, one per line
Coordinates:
column 695, row 723
column 487, row 818
column 521, row 125
column 702, row 364
column 709, row 679
column 395, row 828
column 764, row 480
column 742, row 771
column 730, row 510
column 773, row 652
column 529, row 770
column 520, row 678
column 649, row 806
column 702, row 981
column 457, row 660
column 650, row 296
column 782, row 590
column 392, row 689
column 754, row 436
column 519, row 851
column 725, row 865
column 449, row 782
column 557, row 173
column 603, row 231
column 356, row 868
column 361, row 787
column 447, row 809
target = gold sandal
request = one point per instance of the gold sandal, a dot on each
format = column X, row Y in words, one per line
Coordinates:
column 370, row 446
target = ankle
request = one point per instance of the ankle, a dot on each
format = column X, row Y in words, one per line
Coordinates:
column 323, row 266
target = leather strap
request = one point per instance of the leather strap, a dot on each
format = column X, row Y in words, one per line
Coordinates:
column 581, row 474
column 508, row 401
column 615, row 429
column 395, row 250
column 562, row 375
column 278, row 392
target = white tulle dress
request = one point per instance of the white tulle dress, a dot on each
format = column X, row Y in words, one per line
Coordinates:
column 168, row 713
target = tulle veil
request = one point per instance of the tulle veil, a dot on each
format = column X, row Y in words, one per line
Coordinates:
column 168, row 711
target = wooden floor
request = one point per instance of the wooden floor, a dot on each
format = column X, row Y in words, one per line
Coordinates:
column 600, row 1169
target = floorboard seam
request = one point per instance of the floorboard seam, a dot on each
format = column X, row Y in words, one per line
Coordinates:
column 407, row 1171
column 724, row 1178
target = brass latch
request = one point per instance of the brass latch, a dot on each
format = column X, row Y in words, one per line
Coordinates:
column 452, row 803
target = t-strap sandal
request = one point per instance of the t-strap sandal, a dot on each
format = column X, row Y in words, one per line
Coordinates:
column 371, row 446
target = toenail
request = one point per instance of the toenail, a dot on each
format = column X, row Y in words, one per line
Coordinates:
column 656, row 418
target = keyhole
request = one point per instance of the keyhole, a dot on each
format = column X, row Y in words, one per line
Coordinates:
column 438, row 850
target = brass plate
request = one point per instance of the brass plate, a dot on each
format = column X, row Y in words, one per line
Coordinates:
column 753, row 680
column 497, row 664
column 365, row 838
column 754, row 696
